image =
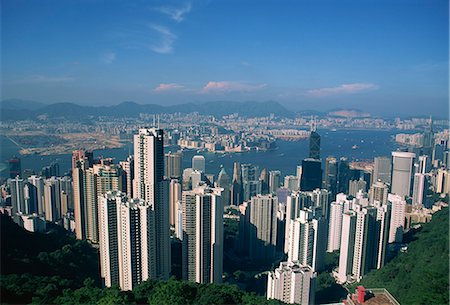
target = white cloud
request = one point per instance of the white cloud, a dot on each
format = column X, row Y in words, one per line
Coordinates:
column 108, row 57
column 44, row 79
column 227, row 86
column 167, row 38
column 168, row 87
column 342, row 89
column 174, row 13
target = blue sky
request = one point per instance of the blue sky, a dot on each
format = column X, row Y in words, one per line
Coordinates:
column 378, row 56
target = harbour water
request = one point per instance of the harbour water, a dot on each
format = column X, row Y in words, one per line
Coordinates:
column 357, row 145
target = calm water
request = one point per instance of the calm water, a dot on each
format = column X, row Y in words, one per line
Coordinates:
column 285, row 158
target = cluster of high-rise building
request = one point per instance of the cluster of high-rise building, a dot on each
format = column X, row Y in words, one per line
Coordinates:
column 134, row 209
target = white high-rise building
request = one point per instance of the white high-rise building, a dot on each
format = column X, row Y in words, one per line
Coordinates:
column 347, row 246
column 198, row 163
column 335, row 226
column 402, row 169
column 292, row 283
column 307, row 240
column 379, row 192
column 38, row 183
column 383, row 224
column 202, row 235
column 291, row 182
column 293, row 207
column 17, row 196
column 151, row 187
column 263, row 226
column 52, row 199
column 175, row 197
column 126, row 240
column 128, row 168
column 355, row 186
column 397, row 218
column 419, row 190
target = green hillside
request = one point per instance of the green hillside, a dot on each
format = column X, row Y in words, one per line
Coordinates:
column 420, row 275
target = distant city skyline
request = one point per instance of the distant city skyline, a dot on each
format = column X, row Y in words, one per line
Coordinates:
column 377, row 56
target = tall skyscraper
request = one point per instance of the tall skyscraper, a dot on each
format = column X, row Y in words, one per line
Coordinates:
column 355, row 186
column 81, row 160
column 263, row 226
column 236, row 186
column 379, row 192
column 419, row 190
column 175, row 198
column 314, row 142
column 402, row 169
column 52, row 199
column 264, row 178
column 127, row 247
column 151, row 187
column 38, row 184
column 15, row 168
column 251, row 185
column 292, row 283
column 128, row 169
column 397, row 218
column 198, row 163
column 173, row 168
column 331, row 171
column 343, row 176
column 224, row 182
column 311, row 175
column 292, row 183
column 347, row 247
column 202, row 247
column 308, row 239
column 382, row 169
column 274, row 181
column 335, row 226
column 16, row 185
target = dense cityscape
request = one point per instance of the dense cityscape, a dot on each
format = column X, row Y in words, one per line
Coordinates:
column 165, row 152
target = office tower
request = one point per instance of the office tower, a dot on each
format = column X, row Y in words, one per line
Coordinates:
column 15, row 168
column 343, row 176
column 378, row 193
column 128, row 170
column 397, row 218
column 311, row 175
column 154, row 190
column 307, row 240
column 51, row 170
column 127, row 247
column 109, row 177
column 299, row 174
column 173, row 168
column 321, row 199
column 330, row 177
column 38, row 184
column 382, row 169
column 64, row 203
column 293, row 207
column 236, row 187
column 292, row 283
column 264, row 178
column 196, row 178
column 52, row 199
column 402, row 168
column 442, row 181
column 428, row 135
column 224, row 182
column 355, row 186
column 202, row 247
column 90, row 204
column 291, row 182
column 335, row 226
column 314, row 142
column 418, row 198
column 347, row 246
column 365, row 254
column 174, row 198
column 263, row 226
column 82, row 155
column 274, row 181
column 198, row 163
column 16, row 185
column 251, row 185
column 66, row 187
column 187, row 183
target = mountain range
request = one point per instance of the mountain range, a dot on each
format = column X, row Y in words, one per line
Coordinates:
column 23, row 109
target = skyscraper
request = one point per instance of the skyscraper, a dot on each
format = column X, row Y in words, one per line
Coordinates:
column 379, row 192
column 175, row 198
column 291, row 182
column 274, row 181
column 419, row 190
column 173, row 168
column 263, row 226
column 251, row 185
column 224, row 182
column 355, row 186
column 343, row 175
column 292, row 283
column 52, row 199
column 382, row 169
column 335, row 226
column 236, row 186
column 127, row 247
column 15, row 168
column 128, row 169
column 330, row 178
column 311, row 175
column 314, row 142
column 198, row 163
column 264, row 178
column 397, row 218
column 402, row 169
column 151, row 187
column 202, row 247
column 347, row 247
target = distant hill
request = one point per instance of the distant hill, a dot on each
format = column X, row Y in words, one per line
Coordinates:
column 349, row 113
column 421, row 275
column 31, row 110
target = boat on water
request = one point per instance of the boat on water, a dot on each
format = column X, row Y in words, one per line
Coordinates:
column 355, row 147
